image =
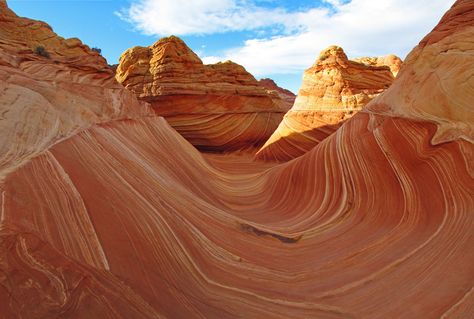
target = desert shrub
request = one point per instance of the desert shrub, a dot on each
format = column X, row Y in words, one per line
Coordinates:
column 323, row 57
column 97, row 50
column 41, row 51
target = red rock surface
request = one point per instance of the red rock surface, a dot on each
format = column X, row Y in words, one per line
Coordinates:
column 333, row 90
column 127, row 220
column 425, row 89
column 44, row 100
column 218, row 107
column 286, row 95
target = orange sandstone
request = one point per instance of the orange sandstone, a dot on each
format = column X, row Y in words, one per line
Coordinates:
column 218, row 107
column 333, row 90
column 286, row 95
column 392, row 61
column 45, row 99
column 126, row 219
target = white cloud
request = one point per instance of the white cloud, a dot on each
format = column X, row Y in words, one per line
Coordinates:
column 184, row 17
column 361, row 27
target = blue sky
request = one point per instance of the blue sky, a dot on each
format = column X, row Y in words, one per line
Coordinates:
column 271, row 38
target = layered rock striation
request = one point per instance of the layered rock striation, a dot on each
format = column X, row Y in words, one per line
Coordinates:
column 126, row 219
column 392, row 61
column 218, row 107
column 333, row 90
column 51, row 88
column 286, row 95
column 437, row 79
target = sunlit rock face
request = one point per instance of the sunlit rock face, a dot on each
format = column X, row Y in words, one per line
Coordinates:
column 437, row 79
column 392, row 61
column 126, row 219
column 333, row 90
column 218, row 107
column 51, row 88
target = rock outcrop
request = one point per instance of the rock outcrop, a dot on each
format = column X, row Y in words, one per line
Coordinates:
column 286, row 95
column 126, row 219
column 392, row 61
column 437, row 79
column 218, row 107
column 58, row 84
column 333, row 90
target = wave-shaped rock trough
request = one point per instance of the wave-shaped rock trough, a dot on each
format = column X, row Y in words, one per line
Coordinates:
column 125, row 218
column 255, row 244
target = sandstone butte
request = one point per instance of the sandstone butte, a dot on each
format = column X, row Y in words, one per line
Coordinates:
column 333, row 90
column 217, row 107
column 111, row 213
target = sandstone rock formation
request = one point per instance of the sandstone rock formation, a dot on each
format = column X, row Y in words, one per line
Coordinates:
column 333, row 90
column 66, row 90
column 437, row 79
column 286, row 95
column 126, row 219
column 392, row 61
column 219, row 107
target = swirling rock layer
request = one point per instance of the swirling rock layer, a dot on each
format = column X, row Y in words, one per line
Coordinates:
column 218, row 107
column 118, row 210
column 333, row 90
column 126, row 219
column 44, row 99
column 437, row 79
